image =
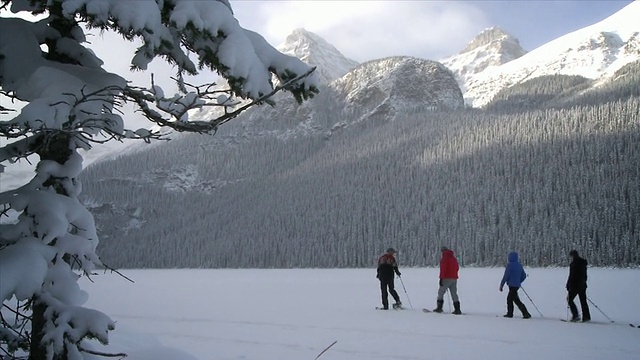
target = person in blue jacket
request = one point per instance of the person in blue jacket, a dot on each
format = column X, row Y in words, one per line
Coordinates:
column 514, row 275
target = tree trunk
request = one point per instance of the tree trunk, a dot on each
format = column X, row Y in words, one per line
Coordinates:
column 54, row 147
column 37, row 350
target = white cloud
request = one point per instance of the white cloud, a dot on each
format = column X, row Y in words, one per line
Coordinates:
column 366, row 30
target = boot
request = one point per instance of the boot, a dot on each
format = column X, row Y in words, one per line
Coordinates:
column 397, row 305
column 438, row 309
column 524, row 311
column 456, row 308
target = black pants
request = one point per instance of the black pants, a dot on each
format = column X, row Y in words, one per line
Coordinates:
column 387, row 282
column 582, row 295
column 512, row 298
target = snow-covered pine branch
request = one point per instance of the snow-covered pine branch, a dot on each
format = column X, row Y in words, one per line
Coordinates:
column 71, row 102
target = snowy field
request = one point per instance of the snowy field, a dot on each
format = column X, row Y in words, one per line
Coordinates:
column 295, row 314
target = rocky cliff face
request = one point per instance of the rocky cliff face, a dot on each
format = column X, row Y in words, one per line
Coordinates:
column 382, row 87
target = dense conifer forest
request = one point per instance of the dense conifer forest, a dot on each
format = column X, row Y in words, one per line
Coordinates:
column 336, row 191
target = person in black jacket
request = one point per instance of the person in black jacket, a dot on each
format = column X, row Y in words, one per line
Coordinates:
column 387, row 266
column 577, row 285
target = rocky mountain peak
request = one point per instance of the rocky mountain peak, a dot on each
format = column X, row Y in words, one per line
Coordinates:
column 316, row 51
column 492, row 47
column 491, row 36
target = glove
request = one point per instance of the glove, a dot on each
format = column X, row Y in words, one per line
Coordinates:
column 398, row 273
column 440, row 282
column 500, row 288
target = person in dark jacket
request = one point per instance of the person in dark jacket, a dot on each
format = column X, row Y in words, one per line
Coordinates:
column 514, row 275
column 448, row 280
column 577, row 286
column 387, row 268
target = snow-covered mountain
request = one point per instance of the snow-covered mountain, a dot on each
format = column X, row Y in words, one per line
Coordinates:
column 315, row 51
column 492, row 47
column 594, row 52
column 381, row 87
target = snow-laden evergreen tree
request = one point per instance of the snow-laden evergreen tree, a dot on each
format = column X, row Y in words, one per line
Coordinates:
column 64, row 101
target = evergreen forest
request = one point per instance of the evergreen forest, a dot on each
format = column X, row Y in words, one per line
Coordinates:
column 558, row 170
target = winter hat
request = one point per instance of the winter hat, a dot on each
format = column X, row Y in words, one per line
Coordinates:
column 391, row 250
column 573, row 253
column 444, row 248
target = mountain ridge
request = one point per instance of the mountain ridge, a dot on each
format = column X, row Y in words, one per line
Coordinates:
column 595, row 51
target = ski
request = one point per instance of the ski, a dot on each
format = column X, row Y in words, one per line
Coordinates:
column 427, row 311
column 518, row 317
column 584, row 322
column 599, row 323
column 431, row 311
column 395, row 308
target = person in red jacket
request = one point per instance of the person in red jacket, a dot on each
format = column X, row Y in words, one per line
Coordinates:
column 448, row 280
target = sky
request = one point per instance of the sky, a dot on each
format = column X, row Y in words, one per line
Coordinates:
column 366, row 30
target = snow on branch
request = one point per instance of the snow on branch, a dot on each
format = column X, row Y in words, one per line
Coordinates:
column 206, row 29
column 178, row 107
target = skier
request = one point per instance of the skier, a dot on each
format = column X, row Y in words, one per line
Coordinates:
column 577, row 285
column 448, row 280
column 514, row 275
column 387, row 266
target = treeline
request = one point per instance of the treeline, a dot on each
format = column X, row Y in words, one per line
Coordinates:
column 566, row 91
column 539, row 182
column 543, row 91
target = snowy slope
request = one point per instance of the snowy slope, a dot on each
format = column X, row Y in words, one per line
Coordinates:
column 315, row 51
column 492, row 47
column 594, row 52
column 295, row 314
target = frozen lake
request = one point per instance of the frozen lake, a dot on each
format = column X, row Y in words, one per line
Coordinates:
column 295, row 314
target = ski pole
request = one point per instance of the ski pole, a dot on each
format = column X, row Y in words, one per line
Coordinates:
column 405, row 291
column 594, row 304
column 534, row 304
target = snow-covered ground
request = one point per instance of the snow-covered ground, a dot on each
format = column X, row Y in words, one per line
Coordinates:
column 295, row 314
